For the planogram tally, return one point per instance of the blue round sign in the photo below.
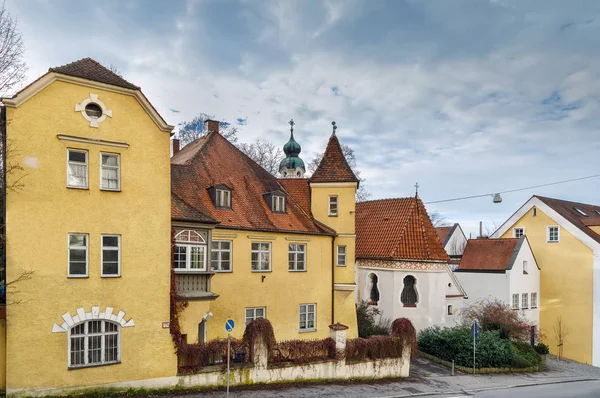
(229, 325)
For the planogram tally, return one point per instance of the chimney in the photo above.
(211, 125)
(481, 229)
(174, 146)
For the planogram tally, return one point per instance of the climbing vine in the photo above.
(256, 329)
(404, 329)
(177, 306)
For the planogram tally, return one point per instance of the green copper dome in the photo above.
(292, 149)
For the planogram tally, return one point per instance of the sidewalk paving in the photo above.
(427, 382)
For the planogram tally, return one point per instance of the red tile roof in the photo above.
(396, 229)
(489, 254)
(181, 211)
(333, 166)
(90, 69)
(299, 189)
(567, 210)
(442, 233)
(212, 160)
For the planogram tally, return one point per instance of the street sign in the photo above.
(475, 330)
(229, 325)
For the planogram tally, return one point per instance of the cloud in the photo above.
(463, 97)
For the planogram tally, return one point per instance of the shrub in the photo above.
(259, 327)
(456, 344)
(542, 349)
(370, 321)
(374, 347)
(193, 357)
(496, 315)
(303, 351)
(403, 328)
(527, 352)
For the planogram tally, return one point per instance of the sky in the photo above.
(463, 97)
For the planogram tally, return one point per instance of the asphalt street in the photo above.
(580, 389)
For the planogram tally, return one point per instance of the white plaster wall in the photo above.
(481, 285)
(385, 286)
(521, 283)
(456, 243)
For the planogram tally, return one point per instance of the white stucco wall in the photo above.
(525, 283)
(456, 242)
(432, 287)
(480, 285)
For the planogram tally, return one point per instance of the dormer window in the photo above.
(583, 213)
(278, 204)
(221, 196)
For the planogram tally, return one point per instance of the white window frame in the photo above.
(533, 300)
(117, 167)
(111, 248)
(515, 232)
(307, 311)
(333, 200)
(87, 254)
(278, 203)
(295, 253)
(260, 252)
(548, 228)
(87, 166)
(86, 336)
(515, 301)
(223, 198)
(189, 245)
(220, 250)
(344, 256)
(254, 316)
(525, 267)
(525, 301)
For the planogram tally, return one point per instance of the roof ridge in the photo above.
(420, 215)
(78, 69)
(382, 199)
(404, 227)
(564, 201)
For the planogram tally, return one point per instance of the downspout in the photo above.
(333, 280)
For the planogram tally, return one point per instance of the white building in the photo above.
(402, 268)
(503, 269)
(453, 239)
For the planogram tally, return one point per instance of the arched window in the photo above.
(373, 289)
(94, 342)
(190, 251)
(409, 295)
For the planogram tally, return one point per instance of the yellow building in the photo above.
(87, 233)
(565, 239)
(249, 245)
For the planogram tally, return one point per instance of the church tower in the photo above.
(292, 166)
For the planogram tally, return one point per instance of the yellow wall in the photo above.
(344, 225)
(595, 228)
(40, 216)
(2, 354)
(566, 289)
(281, 291)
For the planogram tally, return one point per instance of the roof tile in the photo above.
(567, 209)
(398, 229)
(485, 254)
(90, 69)
(333, 166)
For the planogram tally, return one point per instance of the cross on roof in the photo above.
(292, 124)
(416, 189)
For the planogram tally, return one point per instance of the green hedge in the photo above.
(492, 351)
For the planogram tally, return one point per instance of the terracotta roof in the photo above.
(181, 211)
(485, 254)
(396, 229)
(212, 160)
(299, 189)
(567, 210)
(90, 69)
(333, 166)
(442, 233)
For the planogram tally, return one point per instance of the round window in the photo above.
(93, 110)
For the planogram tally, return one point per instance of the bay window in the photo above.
(190, 251)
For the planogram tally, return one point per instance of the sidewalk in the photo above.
(438, 382)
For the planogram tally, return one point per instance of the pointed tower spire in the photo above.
(292, 166)
(333, 166)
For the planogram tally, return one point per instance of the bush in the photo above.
(456, 344)
(527, 352)
(496, 315)
(403, 328)
(542, 349)
(370, 321)
(375, 347)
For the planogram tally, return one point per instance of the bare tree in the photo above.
(560, 333)
(12, 67)
(362, 194)
(113, 68)
(194, 129)
(438, 219)
(266, 154)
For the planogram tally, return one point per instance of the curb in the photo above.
(467, 391)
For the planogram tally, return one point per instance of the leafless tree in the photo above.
(113, 68)
(489, 229)
(438, 219)
(362, 194)
(560, 333)
(266, 154)
(12, 66)
(194, 129)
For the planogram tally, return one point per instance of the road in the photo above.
(580, 389)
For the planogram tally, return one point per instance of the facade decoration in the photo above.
(93, 110)
(94, 314)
